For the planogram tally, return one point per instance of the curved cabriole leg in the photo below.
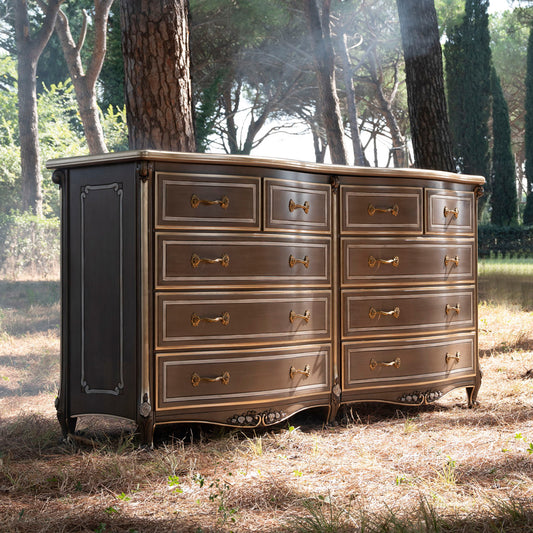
(67, 423)
(471, 394)
(146, 432)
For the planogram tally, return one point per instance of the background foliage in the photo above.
(253, 77)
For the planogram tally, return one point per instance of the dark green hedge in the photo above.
(508, 241)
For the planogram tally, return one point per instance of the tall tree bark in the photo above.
(399, 152)
(155, 44)
(425, 84)
(29, 49)
(322, 48)
(359, 156)
(85, 82)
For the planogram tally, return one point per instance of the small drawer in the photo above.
(296, 206)
(414, 261)
(207, 201)
(415, 361)
(386, 312)
(225, 260)
(236, 376)
(232, 318)
(375, 210)
(450, 212)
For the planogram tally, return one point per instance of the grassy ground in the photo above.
(440, 468)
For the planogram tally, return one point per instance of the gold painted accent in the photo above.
(306, 316)
(372, 313)
(293, 205)
(450, 308)
(196, 201)
(196, 319)
(306, 371)
(456, 357)
(374, 364)
(372, 261)
(454, 212)
(293, 261)
(454, 260)
(394, 210)
(196, 379)
(196, 260)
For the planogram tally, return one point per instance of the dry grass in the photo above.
(441, 468)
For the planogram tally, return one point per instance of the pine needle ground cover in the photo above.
(443, 468)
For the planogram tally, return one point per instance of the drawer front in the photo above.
(236, 376)
(187, 200)
(384, 312)
(450, 212)
(380, 364)
(387, 261)
(224, 318)
(375, 210)
(192, 260)
(295, 206)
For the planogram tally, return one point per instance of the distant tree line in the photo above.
(338, 69)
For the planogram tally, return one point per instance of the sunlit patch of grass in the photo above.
(505, 266)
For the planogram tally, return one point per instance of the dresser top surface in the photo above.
(263, 162)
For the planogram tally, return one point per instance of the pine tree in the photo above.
(468, 64)
(528, 212)
(503, 199)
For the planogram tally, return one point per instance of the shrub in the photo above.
(29, 245)
(510, 241)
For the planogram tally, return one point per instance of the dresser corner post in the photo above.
(62, 405)
(145, 410)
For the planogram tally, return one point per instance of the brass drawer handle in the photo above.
(293, 261)
(196, 319)
(450, 308)
(196, 260)
(293, 205)
(454, 260)
(196, 201)
(372, 261)
(305, 372)
(373, 313)
(454, 212)
(394, 210)
(196, 379)
(374, 364)
(306, 316)
(456, 357)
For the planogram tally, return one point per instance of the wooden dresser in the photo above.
(238, 291)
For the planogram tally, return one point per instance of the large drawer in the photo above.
(416, 260)
(225, 260)
(207, 201)
(241, 318)
(403, 312)
(450, 212)
(413, 361)
(375, 210)
(236, 376)
(297, 206)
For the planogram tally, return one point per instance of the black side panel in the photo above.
(103, 263)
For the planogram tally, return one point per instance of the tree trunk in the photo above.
(85, 82)
(385, 105)
(322, 48)
(29, 49)
(425, 85)
(155, 44)
(359, 156)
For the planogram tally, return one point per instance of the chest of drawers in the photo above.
(239, 291)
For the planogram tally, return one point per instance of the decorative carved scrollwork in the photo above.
(420, 398)
(255, 419)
